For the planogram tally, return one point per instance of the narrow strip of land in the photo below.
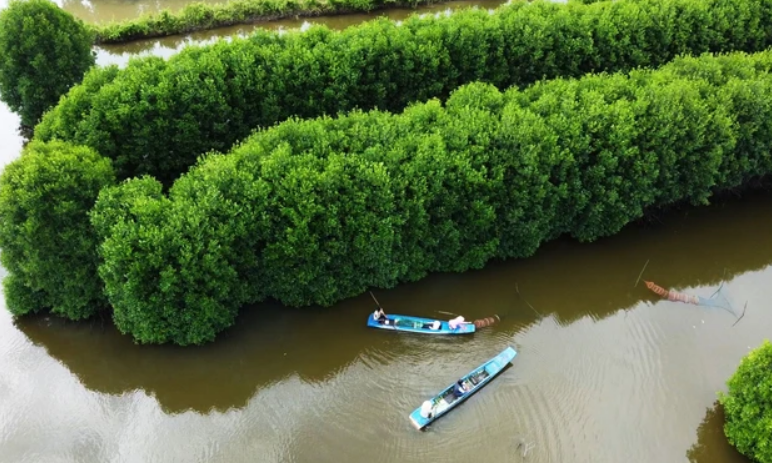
(201, 16)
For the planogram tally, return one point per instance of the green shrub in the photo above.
(156, 117)
(43, 52)
(48, 245)
(314, 211)
(748, 405)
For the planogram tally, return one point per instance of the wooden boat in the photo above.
(446, 400)
(419, 325)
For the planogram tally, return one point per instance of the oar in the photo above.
(448, 313)
(376, 300)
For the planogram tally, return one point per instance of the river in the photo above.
(606, 372)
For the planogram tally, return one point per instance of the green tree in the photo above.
(43, 52)
(188, 248)
(317, 210)
(48, 244)
(748, 405)
(158, 116)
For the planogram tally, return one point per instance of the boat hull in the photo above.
(410, 324)
(446, 400)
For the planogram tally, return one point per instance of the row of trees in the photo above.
(44, 50)
(200, 16)
(313, 211)
(156, 117)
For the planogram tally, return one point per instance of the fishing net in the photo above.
(716, 300)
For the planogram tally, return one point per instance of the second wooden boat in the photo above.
(450, 398)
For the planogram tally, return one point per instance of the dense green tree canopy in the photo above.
(313, 211)
(157, 117)
(748, 405)
(47, 242)
(43, 52)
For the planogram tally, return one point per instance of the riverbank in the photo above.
(201, 16)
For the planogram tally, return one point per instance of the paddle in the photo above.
(376, 300)
(448, 313)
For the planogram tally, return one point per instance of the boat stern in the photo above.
(415, 425)
(418, 421)
(467, 328)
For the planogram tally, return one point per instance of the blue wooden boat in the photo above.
(446, 400)
(418, 325)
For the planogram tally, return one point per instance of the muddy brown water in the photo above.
(605, 371)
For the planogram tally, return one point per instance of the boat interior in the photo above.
(413, 324)
(471, 381)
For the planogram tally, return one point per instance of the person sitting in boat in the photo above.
(380, 316)
(435, 325)
(459, 389)
(457, 322)
(427, 409)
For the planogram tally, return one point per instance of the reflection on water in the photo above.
(711, 445)
(607, 372)
(566, 282)
(267, 346)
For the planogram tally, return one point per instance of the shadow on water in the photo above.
(565, 280)
(689, 248)
(712, 445)
(269, 343)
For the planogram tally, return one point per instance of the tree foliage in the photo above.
(43, 52)
(312, 211)
(196, 16)
(48, 245)
(157, 117)
(748, 405)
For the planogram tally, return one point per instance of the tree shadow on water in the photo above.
(566, 280)
(691, 250)
(712, 445)
(268, 344)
